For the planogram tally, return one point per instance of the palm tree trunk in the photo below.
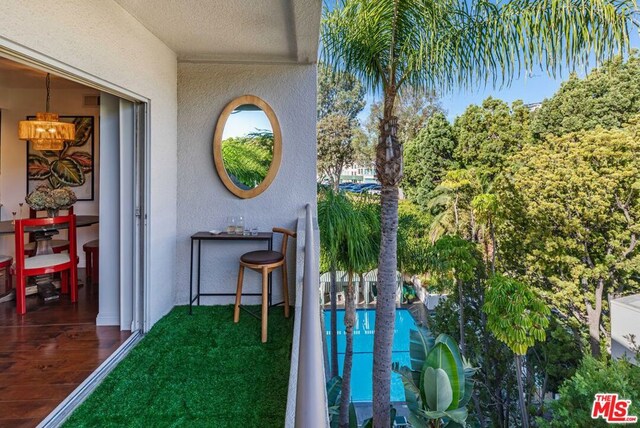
(389, 172)
(349, 320)
(334, 324)
(523, 405)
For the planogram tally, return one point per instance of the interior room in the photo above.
(53, 343)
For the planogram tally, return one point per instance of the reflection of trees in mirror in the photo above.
(247, 159)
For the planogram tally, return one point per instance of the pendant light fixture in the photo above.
(46, 132)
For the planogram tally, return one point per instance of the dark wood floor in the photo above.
(47, 353)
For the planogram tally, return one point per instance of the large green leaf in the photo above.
(457, 417)
(68, 172)
(446, 355)
(437, 387)
(334, 385)
(411, 390)
(420, 343)
(38, 167)
(353, 417)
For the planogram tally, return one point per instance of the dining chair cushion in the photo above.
(37, 262)
(5, 258)
(262, 257)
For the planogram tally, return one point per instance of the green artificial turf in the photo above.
(199, 370)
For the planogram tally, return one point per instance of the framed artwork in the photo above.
(72, 166)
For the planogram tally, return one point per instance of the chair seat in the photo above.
(91, 244)
(5, 258)
(54, 243)
(37, 262)
(262, 257)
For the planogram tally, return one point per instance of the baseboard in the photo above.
(107, 320)
(57, 417)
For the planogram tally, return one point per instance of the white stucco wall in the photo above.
(204, 202)
(98, 40)
(16, 104)
(625, 322)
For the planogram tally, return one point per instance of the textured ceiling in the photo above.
(254, 31)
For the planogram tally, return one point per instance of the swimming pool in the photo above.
(361, 375)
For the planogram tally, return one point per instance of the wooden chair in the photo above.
(265, 261)
(57, 245)
(65, 263)
(92, 258)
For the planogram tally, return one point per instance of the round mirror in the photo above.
(247, 146)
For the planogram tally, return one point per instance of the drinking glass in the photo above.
(21, 204)
(240, 225)
(254, 231)
(231, 225)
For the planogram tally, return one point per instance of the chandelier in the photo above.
(46, 132)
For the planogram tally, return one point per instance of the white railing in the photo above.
(307, 398)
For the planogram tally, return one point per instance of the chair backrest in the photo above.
(34, 214)
(286, 233)
(43, 222)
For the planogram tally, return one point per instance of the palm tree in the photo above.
(333, 217)
(409, 46)
(358, 255)
(348, 236)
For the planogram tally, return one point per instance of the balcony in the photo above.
(199, 369)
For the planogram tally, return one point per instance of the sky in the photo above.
(530, 89)
(242, 123)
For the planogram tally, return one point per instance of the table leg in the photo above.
(199, 251)
(191, 281)
(270, 277)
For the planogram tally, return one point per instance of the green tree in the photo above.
(456, 261)
(340, 99)
(608, 97)
(581, 191)
(451, 200)
(573, 408)
(396, 46)
(248, 159)
(427, 158)
(335, 148)
(489, 133)
(413, 244)
(339, 93)
(518, 318)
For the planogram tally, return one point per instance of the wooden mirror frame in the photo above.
(277, 147)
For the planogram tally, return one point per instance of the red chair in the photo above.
(92, 257)
(5, 264)
(47, 263)
(57, 245)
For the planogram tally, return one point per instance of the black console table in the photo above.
(207, 236)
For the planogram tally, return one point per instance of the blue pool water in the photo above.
(361, 381)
